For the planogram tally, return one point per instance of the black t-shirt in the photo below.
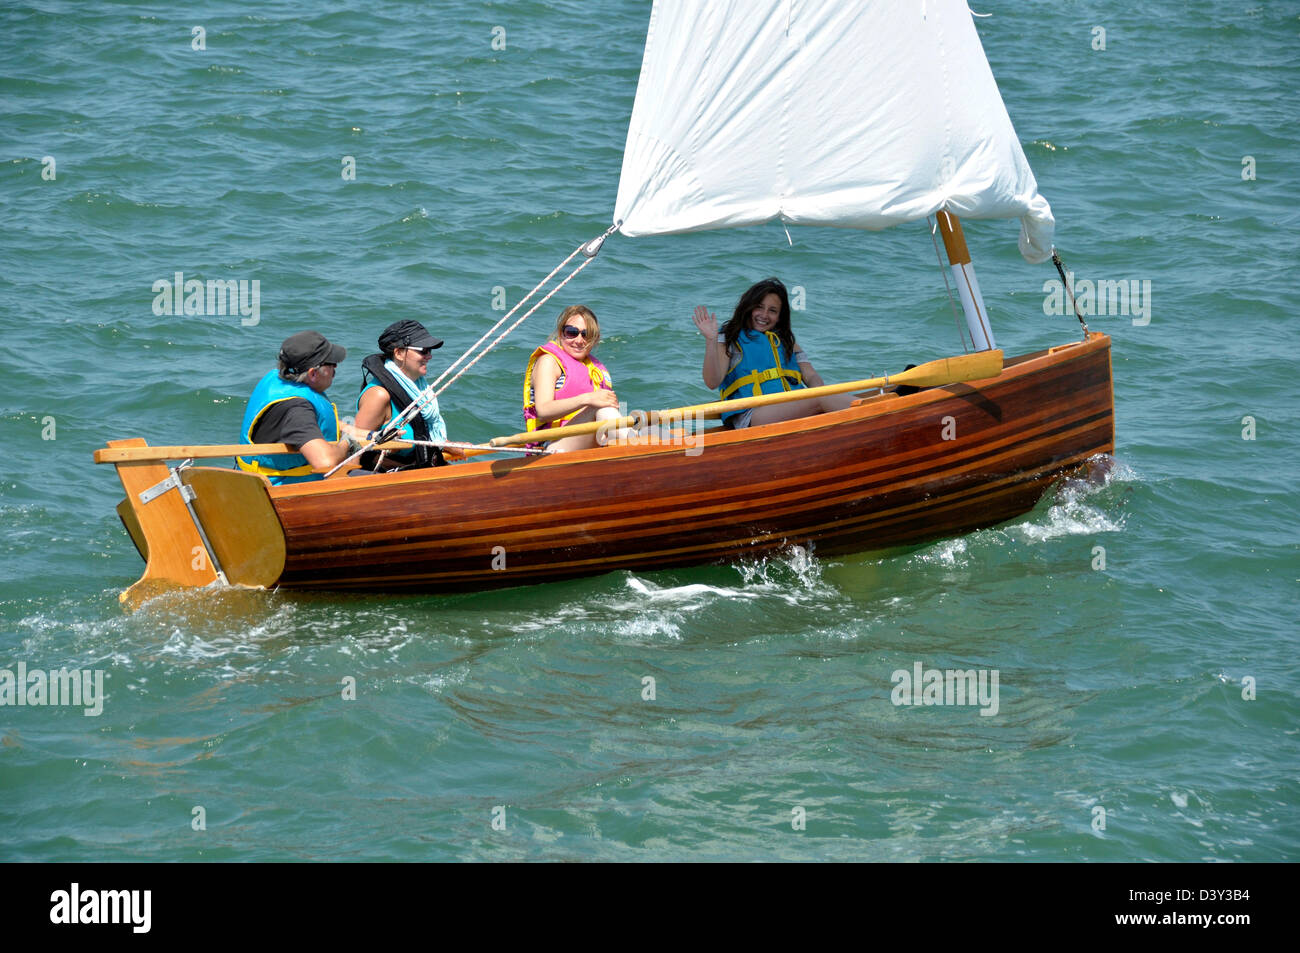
(291, 421)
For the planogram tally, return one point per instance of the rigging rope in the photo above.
(1060, 269)
(457, 445)
(573, 274)
(505, 317)
(589, 248)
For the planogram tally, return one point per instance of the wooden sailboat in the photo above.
(976, 446)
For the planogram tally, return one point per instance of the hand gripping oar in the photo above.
(947, 370)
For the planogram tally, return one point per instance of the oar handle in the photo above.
(205, 452)
(945, 370)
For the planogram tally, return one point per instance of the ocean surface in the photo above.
(1147, 710)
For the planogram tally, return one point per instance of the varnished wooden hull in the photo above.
(889, 472)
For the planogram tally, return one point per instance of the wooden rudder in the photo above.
(175, 554)
(233, 508)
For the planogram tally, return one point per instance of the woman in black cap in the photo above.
(390, 382)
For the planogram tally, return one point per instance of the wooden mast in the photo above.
(972, 302)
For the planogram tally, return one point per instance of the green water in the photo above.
(1160, 689)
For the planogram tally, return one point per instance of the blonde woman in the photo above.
(564, 384)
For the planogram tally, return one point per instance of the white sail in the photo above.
(852, 114)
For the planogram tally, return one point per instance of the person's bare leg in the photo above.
(836, 402)
(610, 434)
(775, 413)
(580, 442)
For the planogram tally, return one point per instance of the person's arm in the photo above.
(545, 372)
(809, 373)
(810, 377)
(373, 410)
(298, 428)
(716, 362)
(323, 455)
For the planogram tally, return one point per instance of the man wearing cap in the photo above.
(289, 406)
(390, 382)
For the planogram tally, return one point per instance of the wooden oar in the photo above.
(191, 451)
(946, 370)
(206, 452)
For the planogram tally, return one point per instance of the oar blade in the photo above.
(948, 370)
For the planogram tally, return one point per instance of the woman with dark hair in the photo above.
(755, 353)
(390, 381)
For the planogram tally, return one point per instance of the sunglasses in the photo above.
(422, 351)
(571, 332)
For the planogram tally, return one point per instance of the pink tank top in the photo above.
(576, 377)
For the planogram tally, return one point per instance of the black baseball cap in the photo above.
(308, 349)
(406, 333)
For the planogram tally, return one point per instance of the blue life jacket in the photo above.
(281, 468)
(760, 370)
